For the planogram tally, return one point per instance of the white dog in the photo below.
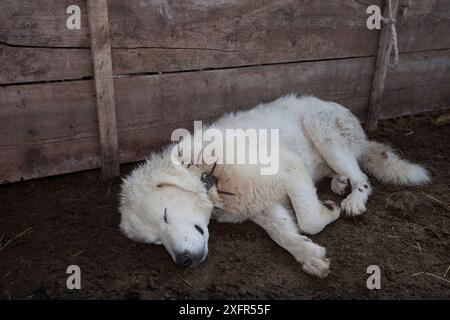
(170, 204)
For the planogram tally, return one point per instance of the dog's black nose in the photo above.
(187, 259)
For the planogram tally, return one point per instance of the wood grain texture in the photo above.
(166, 36)
(420, 83)
(199, 34)
(47, 129)
(213, 25)
(104, 87)
(21, 65)
(423, 25)
(381, 68)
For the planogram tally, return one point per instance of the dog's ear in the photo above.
(179, 177)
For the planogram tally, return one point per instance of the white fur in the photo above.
(317, 139)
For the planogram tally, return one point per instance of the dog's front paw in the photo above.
(354, 204)
(339, 184)
(332, 209)
(315, 261)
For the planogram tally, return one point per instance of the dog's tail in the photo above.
(383, 163)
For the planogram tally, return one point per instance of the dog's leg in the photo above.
(282, 228)
(344, 163)
(312, 214)
(338, 137)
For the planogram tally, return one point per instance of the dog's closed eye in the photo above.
(199, 229)
(165, 215)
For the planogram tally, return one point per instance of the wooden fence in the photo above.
(65, 107)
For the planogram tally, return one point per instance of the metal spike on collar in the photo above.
(208, 178)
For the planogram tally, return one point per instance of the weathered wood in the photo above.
(227, 25)
(420, 83)
(423, 25)
(202, 35)
(161, 36)
(192, 23)
(19, 65)
(51, 128)
(104, 87)
(47, 129)
(381, 68)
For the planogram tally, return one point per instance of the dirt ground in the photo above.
(48, 224)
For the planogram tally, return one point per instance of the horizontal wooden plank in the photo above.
(165, 36)
(202, 34)
(421, 82)
(424, 25)
(227, 25)
(21, 65)
(47, 129)
(42, 23)
(52, 128)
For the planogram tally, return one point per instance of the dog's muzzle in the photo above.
(189, 259)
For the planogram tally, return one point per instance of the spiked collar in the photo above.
(209, 180)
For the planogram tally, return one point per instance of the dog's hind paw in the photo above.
(315, 262)
(340, 185)
(354, 204)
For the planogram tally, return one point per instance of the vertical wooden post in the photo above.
(101, 56)
(381, 68)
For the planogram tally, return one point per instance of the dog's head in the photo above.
(166, 203)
